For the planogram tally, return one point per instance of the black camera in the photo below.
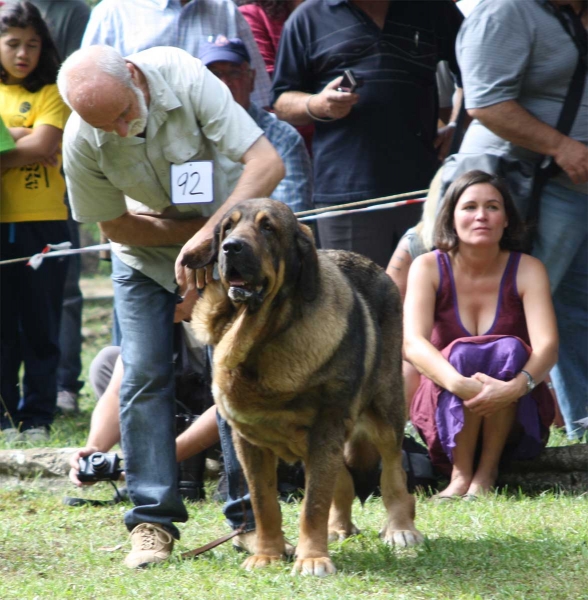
(100, 466)
(191, 470)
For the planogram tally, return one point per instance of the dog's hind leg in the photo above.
(399, 529)
(260, 465)
(340, 524)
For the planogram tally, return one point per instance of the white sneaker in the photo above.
(67, 402)
(35, 436)
(11, 435)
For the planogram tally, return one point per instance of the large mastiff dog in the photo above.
(307, 366)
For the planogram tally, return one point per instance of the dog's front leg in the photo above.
(322, 468)
(259, 465)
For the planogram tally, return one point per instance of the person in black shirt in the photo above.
(382, 139)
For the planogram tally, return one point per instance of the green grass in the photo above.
(506, 546)
(501, 547)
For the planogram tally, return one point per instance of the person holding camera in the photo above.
(378, 138)
(196, 426)
(142, 127)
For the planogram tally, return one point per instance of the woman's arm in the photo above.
(399, 265)
(533, 287)
(40, 146)
(419, 311)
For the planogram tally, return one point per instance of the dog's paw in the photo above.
(258, 561)
(247, 542)
(340, 534)
(319, 567)
(402, 538)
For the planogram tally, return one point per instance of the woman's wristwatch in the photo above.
(530, 381)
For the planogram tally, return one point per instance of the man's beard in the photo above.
(137, 126)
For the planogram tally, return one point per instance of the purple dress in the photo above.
(500, 353)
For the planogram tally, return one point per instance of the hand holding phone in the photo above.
(349, 83)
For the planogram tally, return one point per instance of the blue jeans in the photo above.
(237, 508)
(145, 313)
(562, 245)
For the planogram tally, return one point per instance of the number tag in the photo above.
(192, 182)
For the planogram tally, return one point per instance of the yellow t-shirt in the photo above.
(32, 192)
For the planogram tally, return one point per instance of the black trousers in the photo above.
(374, 234)
(30, 313)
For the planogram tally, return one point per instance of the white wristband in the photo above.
(311, 115)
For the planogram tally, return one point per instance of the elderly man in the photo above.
(229, 60)
(152, 127)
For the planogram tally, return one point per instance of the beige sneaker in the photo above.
(67, 402)
(151, 543)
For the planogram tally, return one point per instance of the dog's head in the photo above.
(262, 250)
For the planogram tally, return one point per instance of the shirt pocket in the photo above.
(132, 174)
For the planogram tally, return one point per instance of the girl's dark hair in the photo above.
(445, 236)
(274, 9)
(23, 15)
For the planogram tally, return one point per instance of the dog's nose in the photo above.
(232, 246)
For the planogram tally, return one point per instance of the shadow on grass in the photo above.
(512, 558)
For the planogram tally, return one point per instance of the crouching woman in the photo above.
(481, 330)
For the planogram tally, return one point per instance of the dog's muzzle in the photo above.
(241, 271)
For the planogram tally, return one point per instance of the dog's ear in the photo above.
(309, 275)
(205, 254)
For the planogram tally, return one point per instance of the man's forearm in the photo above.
(512, 122)
(146, 230)
(291, 107)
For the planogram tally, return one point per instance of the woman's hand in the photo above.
(465, 388)
(494, 395)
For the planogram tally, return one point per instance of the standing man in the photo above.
(517, 61)
(130, 27)
(142, 127)
(230, 62)
(381, 139)
(67, 22)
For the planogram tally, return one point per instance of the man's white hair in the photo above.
(106, 60)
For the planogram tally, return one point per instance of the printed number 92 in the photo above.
(186, 180)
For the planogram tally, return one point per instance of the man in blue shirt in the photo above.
(380, 140)
(229, 60)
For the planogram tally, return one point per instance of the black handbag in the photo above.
(525, 178)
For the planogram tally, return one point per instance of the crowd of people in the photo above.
(161, 90)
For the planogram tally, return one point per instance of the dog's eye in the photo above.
(267, 226)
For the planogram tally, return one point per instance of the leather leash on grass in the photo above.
(221, 540)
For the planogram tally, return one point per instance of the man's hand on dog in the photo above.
(190, 279)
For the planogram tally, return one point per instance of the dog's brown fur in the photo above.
(307, 366)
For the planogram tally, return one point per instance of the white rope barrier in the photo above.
(64, 249)
(52, 251)
(337, 213)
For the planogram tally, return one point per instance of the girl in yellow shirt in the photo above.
(32, 214)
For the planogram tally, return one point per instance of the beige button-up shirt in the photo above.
(192, 116)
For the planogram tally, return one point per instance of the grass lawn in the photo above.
(506, 546)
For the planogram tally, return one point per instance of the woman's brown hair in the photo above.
(445, 235)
